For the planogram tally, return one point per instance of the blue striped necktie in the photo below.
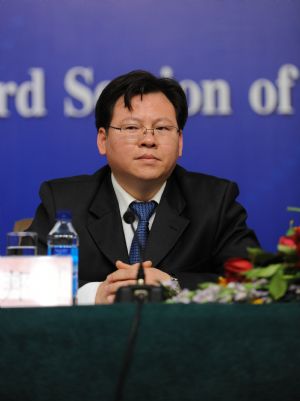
(143, 210)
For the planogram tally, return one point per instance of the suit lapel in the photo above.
(168, 224)
(105, 225)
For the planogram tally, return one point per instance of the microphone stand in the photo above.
(138, 293)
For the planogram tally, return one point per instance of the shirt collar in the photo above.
(124, 198)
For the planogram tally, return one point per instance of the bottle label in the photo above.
(64, 250)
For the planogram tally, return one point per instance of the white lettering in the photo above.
(263, 96)
(208, 97)
(216, 95)
(79, 92)
(166, 72)
(287, 74)
(98, 90)
(6, 89)
(30, 97)
(193, 94)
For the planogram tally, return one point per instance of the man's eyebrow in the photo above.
(162, 119)
(157, 120)
(131, 118)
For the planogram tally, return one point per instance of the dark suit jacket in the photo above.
(197, 227)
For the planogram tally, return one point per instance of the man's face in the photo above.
(149, 158)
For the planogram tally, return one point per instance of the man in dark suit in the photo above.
(195, 222)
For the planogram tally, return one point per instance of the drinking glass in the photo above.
(21, 243)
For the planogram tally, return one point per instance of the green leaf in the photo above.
(290, 231)
(263, 272)
(293, 209)
(253, 273)
(287, 249)
(205, 285)
(259, 257)
(251, 286)
(278, 285)
(255, 251)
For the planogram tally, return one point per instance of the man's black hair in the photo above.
(139, 83)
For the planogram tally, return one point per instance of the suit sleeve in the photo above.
(233, 236)
(231, 239)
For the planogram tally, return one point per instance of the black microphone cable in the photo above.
(129, 218)
(129, 350)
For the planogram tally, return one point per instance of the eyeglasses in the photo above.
(135, 131)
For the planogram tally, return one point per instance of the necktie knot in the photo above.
(143, 210)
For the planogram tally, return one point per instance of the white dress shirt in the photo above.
(87, 293)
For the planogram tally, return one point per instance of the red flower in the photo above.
(288, 241)
(235, 267)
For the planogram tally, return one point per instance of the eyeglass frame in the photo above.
(154, 130)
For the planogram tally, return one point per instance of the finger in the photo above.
(122, 265)
(147, 264)
(113, 288)
(106, 292)
(102, 295)
(121, 275)
(150, 280)
(155, 276)
(110, 299)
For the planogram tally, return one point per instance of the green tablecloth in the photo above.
(183, 352)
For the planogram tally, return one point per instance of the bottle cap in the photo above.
(64, 215)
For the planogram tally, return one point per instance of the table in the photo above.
(183, 352)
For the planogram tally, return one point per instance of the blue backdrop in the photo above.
(238, 61)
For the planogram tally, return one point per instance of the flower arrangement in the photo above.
(262, 278)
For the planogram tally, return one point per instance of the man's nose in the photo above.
(148, 138)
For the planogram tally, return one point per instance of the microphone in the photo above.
(140, 292)
(129, 218)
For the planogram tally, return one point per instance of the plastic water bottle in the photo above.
(63, 240)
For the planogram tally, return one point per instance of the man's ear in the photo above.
(101, 141)
(180, 146)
